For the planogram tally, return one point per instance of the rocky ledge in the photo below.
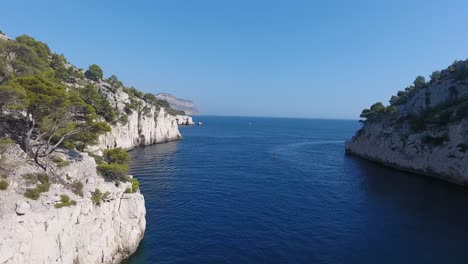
(57, 209)
(424, 130)
(91, 228)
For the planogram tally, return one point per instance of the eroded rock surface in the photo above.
(427, 134)
(34, 231)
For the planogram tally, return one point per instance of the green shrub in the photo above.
(64, 198)
(91, 96)
(133, 92)
(376, 111)
(43, 177)
(126, 178)
(77, 188)
(43, 186)
(114, 81)
(94, 72)
(174, 112)
(32, 194)
(113, 171)
(69, 145)
(116, 167)
(135, 185)
(96, 197)
(30, 178)
(61, 162)
(420, 82)
(105, 196)
(97, 158)
(123, 119)
(64, 201)
(116, 155)
(6, 141)
(128, 190)
(435, 76)
(3, 185)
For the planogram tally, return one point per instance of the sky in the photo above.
(312, 59)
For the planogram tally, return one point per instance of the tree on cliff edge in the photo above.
(94, 72)
(39, 113)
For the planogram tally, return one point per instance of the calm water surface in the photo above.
(263, 190)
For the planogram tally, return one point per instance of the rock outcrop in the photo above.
(69, 213)
(426, 133)
(149, 124)
(35, 231)
(183, 120)
(144, 126)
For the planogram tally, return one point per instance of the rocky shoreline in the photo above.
(426, 133)
(37, 231)
(63, 210)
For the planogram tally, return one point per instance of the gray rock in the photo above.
(151, 127)
(183, 120)
(33, 231)
(22, 207)
(391, 141)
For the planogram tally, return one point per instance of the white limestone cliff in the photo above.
(439, 148)
(147, 125)
(395, 148)
(34, 231)
(183, 120)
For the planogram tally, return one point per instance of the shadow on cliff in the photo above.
(419, 198)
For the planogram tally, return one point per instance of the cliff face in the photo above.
(34, 231)
(142, 127)
(183, 120)
(146, 125)
(427, 133)
(103, 221)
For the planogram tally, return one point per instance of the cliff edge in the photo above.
(100, 223)
(65, 192)
(424, 129)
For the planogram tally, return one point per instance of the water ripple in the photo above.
(282, 191)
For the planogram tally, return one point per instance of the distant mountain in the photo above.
(179, 104)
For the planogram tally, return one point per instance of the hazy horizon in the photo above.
(302, 59)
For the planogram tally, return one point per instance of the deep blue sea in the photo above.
(271, 190)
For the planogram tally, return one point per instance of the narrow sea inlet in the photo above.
(272, 190)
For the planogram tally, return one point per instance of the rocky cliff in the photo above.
(55, 208)
(424, 130)
(183, 120)
(40, 231)
(144, 126)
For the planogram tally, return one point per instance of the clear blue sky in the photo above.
(325, 59)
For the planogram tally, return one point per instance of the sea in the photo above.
(282, 190)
